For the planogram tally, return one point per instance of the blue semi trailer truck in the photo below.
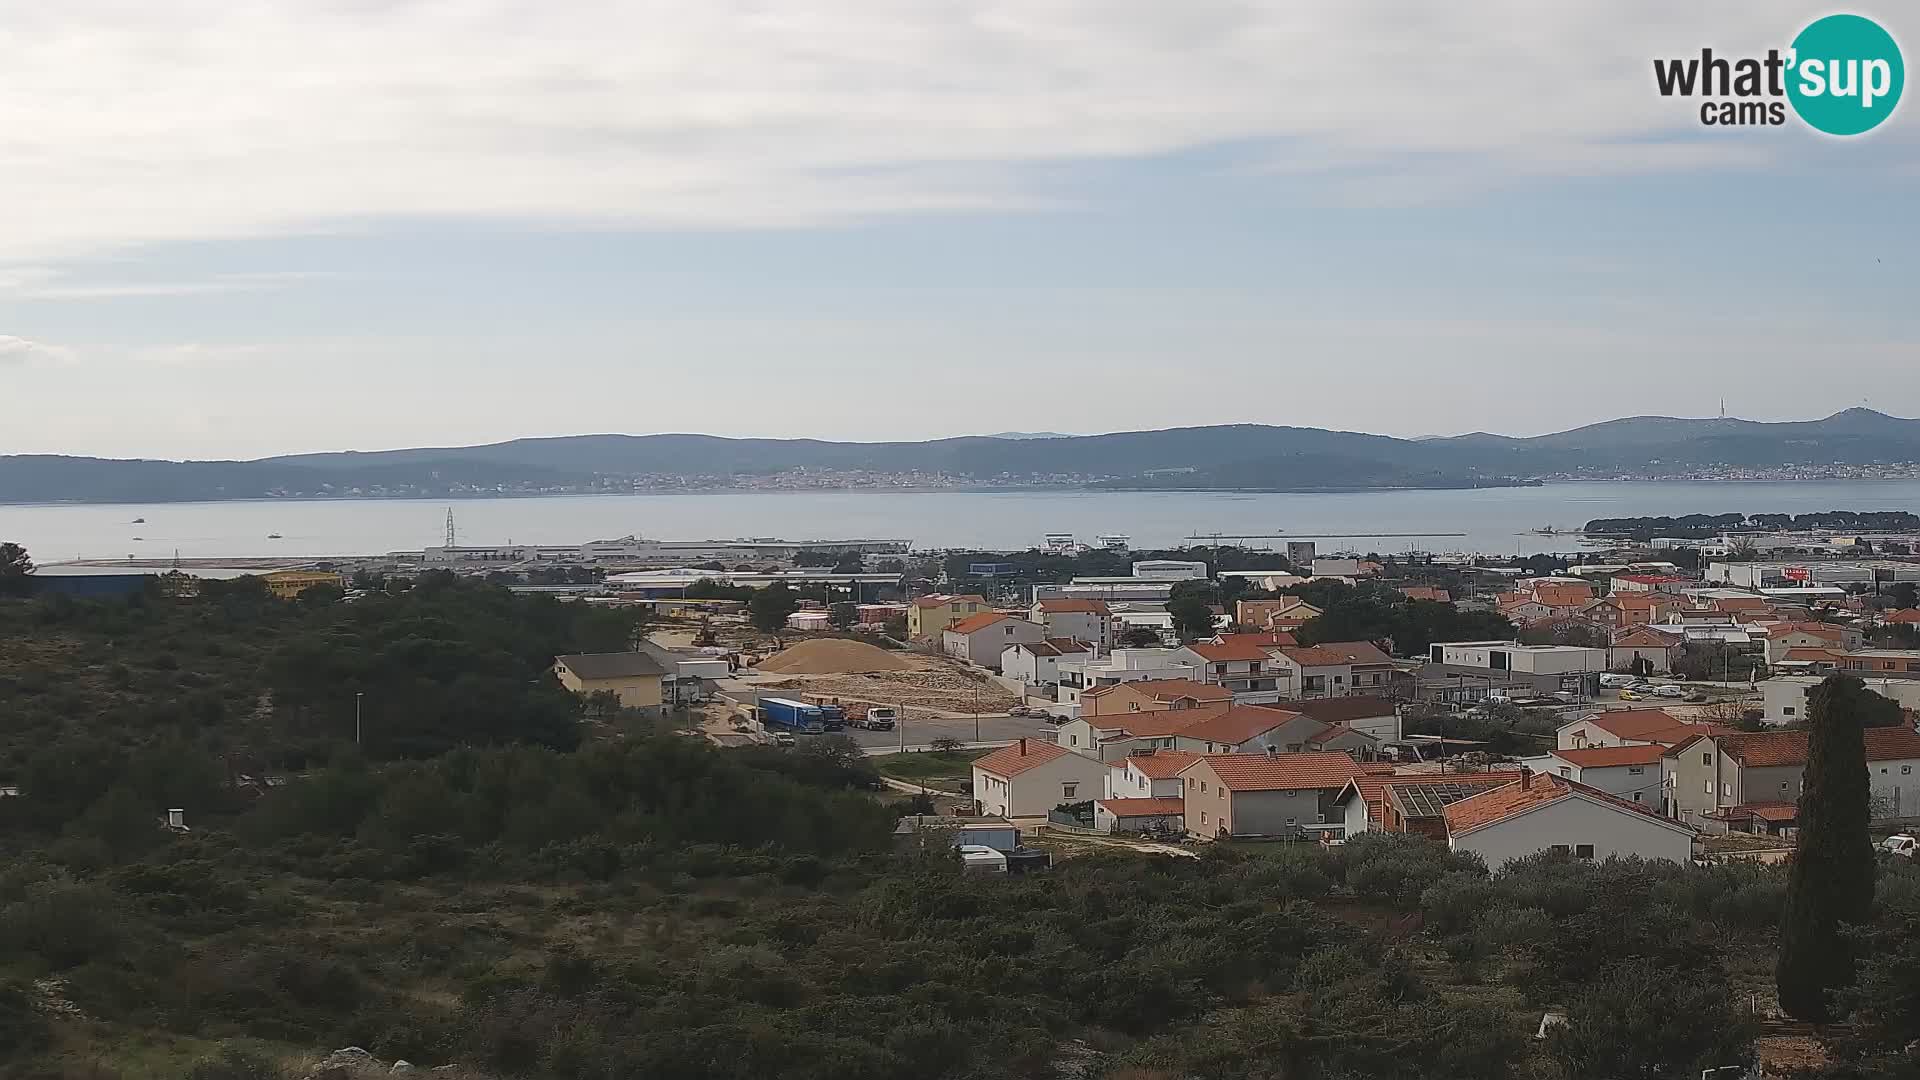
(785, 714)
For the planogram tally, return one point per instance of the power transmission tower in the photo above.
(450, 535)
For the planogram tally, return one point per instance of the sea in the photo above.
(1490, 521)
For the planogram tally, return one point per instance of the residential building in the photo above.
(289, 584)
(1604, 612)
(1112, 738)
(1285, 611)
(1667, 583)
(1079, 678)
(1148, 774)
(1038, 663)
(1646, 650)
(1336, 668)
(1265, 794)
(1031, 777)
(981, 640)
(1414, 803)
(634, 677)
(1627, 727)
(1710, 776)
(927, 616)
(1784, 697)
(1868, 663)
(1153, 816)
(1336, 567)
(1785, 636)
(1239, 664)
(1256, 729)
(1551, 813)
(1426, 592)
(1374, 716)
(1090, 621)
(1633, 772)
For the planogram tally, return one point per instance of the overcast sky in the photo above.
(231, 230)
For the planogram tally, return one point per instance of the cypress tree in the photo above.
(1831, 882)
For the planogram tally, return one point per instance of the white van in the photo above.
(1616, 682)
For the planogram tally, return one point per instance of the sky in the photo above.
(231, 231)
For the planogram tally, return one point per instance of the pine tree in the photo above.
(1831, 883)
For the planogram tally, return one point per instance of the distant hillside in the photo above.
(1235, 456)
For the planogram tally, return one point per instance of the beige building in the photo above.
(633, 676)
(1031, 777)
(927, 616)
(289, 584)
(1712, 777)
(1265, 794)
(982, 640)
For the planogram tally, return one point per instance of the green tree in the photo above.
(1192, 618)
(1640, 1019)
(769, 608)
(1905, 593)
(15, 568)
(1139, 637)
(1830, 885)
(842, 615)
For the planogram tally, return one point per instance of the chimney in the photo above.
(1023, 746)
(1526, 778)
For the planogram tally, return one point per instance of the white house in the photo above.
(982, 639)
(1631, 772)
(1090, 621)
(1254, 729)
(1038, 663)
(1148, 774)
(1626, 727)
(1334, 669)
(1549, 813)
(1239, 664)
(1031, 777)
(1513, 656)
(1122, 666)
(1784, 697)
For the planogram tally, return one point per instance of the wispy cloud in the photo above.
(67, 289)
(123, 124)
(19, 351)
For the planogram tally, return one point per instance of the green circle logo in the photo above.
(1846, 75)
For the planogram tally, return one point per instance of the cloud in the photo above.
(223, 283)
(122, 124)
(18, 351)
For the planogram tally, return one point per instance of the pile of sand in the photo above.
(831, 656)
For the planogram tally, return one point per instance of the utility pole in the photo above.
(357, 695)
(976, 712)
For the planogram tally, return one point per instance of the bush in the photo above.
(233, 1063)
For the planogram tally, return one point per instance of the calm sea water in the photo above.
(1495, 520)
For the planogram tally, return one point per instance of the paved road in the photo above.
(993, 729)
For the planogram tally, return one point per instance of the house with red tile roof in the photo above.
(1785, 636)
(1410, 803)
(1090, 621)
(1259, 729)
(1627, 727)
(1112, 736)
(1709, 776)
(1646, 649)
(927, 616)
(1291, 611)
(1426, 592)
(1633, 772)
(1031, 777)
(1164, 816)
(1150, 695)
(1148, 774)
(981, 640)
(1038, 663)
(1335, 669)
(1552, 813)
(1668, 583)
(1265, 794)
(1900, 617)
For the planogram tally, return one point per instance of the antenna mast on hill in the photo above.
(450, 536)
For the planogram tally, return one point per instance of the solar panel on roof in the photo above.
(1430, 800)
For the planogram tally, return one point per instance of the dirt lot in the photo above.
(935, 684)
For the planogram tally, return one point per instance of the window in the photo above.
(1559, 849)
(1709, 786)
(1289, 823)
(1203, 817)
(1222, 794)
(1636, 770)
(1072, 740)
(1726, 790)
(1783, 785)
(1067, 790)
(1636, 796)
(1565, 771)
(1583, 851)
(1706, 759)
(1906, 770)
(1786, 710)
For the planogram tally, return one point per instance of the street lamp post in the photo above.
(357, 695)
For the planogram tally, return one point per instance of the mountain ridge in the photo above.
(1214, 457)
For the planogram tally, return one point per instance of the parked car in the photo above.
(1901, 844)
(784, 738)
(1565, 697)
(1056, 718)
(1668, 692)
(1019, 710)
(1630, 695)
